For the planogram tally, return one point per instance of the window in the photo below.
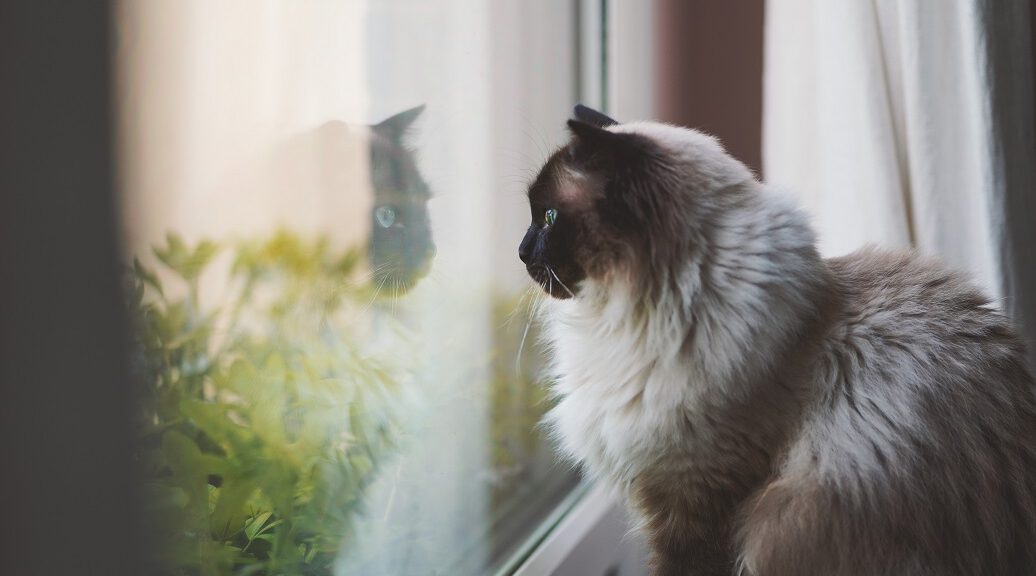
(322, 202)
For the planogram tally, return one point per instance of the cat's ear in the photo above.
(591, 116)
(396, 126)
(591, 133)
(593, 138)
(589, 125)
(604, 148)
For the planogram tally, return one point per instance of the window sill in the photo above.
(590, 536)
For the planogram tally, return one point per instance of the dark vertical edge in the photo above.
(1009, 52)
(68, 491)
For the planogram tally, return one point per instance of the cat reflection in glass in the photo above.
(763, 410)
(400, 247)
(346, 162)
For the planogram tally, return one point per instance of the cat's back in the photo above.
(906, 318)
(916, 455)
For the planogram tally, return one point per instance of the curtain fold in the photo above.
(910, 124)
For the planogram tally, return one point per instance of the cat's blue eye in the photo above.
(550, 216)
(385, 216)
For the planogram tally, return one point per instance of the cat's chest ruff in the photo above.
(623, 401)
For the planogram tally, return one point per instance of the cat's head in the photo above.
(623, 203)
(401, 247)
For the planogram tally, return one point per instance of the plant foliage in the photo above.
(261, 418)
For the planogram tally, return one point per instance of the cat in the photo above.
(765, 411)
(399, 242)
(400, 247)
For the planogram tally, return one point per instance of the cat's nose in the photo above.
(528, 245)
(525, 250)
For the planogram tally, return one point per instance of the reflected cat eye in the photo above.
(550, 216)
(385, 216)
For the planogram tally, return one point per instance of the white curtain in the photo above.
(910, 123)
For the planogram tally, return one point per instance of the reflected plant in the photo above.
(518, 398)
(528, 481)
(261, 420)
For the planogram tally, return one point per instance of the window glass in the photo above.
(322, 203)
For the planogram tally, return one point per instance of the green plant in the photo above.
(261, 419)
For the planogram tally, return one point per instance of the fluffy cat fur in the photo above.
(765, 411)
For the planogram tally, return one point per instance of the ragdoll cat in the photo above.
(765, 411)
(400, 246)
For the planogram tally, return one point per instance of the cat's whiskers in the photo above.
(540, 140)
(555, 275)
(395, 295)
(373, 272)
(520, 305)
(525, 305)
(377, 291)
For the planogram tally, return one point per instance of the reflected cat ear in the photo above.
(591, 116)
(395, 127)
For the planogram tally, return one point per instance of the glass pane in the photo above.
(322, 203)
